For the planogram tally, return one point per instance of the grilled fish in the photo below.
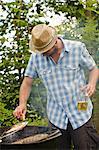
(17, 127)
(31, 139)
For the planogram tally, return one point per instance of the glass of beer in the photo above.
(82, 101)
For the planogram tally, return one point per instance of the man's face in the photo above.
(51, 51)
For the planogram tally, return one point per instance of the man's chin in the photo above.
(53, 52)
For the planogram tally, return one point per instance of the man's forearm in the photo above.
(93, 76)
(25, 90)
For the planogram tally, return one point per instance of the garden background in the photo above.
(73, 19)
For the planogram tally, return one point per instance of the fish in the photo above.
(32, 139)
(17, 127)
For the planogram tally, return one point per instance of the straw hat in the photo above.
(43, 38)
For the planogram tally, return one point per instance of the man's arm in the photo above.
(88, 62)
(93, 78)
(25, 90)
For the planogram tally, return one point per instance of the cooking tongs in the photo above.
(14, 128)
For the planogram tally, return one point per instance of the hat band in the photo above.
(36, 47)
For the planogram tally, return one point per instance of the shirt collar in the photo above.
(66, 48)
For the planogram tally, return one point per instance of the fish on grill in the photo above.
(17, 127)
(13, 130)
(32, 139)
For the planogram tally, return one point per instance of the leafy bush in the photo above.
(6, 116)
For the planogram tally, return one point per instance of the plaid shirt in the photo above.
(63, 81)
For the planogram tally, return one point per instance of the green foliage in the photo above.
(40, 122)
(71, 8)
(14, 50)
(15, 29)
(6, 117)
(34, 117)
(14, 57)
(90, 35)
(74, 8)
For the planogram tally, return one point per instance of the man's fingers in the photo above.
(18, 112)
(88, 89)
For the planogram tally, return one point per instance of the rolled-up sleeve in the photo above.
(31, 69)
(86, 59)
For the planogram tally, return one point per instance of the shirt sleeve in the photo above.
(31, 69)
(86, 60)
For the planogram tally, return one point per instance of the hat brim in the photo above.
(33, 49)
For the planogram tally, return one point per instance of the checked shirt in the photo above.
(63, 81)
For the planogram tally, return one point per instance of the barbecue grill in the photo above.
(48, 142)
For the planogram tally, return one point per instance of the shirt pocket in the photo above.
(70, 67)
(70, 72)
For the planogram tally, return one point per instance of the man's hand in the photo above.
(93, 77)
(20, 112)
(89, 89)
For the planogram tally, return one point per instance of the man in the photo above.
(59, 63)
